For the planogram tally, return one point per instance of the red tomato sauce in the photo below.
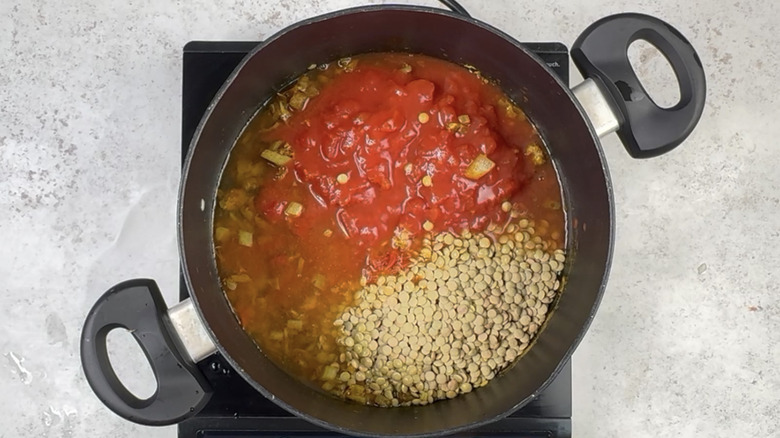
(366, 125)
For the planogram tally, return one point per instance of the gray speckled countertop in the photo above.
(686, 342)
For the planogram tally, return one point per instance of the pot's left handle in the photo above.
(138, 306)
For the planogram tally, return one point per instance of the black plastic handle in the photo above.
(138, 306)
(646, 129)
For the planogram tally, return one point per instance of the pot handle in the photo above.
(601, 53)
(138, 306)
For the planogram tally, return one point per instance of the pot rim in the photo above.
(185, 177)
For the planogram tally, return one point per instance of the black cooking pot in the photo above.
(571, 122)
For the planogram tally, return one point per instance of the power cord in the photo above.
(456, 7)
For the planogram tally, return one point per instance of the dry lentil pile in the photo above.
(464, 310)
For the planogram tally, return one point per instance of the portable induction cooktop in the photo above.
(236, 409)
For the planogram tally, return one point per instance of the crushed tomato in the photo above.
(362, 149)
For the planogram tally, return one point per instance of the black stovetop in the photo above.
(236, 409)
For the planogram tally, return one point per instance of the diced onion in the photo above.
(275, 157)
(293, 209)
(245, 238)
(479, 167)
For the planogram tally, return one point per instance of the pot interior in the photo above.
(548, 103)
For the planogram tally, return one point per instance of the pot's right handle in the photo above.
(601, 53)
(138, 306)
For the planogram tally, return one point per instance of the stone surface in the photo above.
(685, 342)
